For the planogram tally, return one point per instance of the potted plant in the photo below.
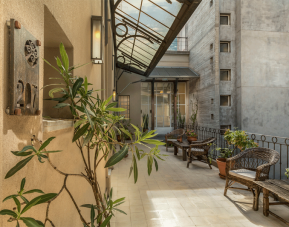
(191, 136)
(221, 161)
(145, 119)
(236, 140)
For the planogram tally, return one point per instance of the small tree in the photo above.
(95, 136)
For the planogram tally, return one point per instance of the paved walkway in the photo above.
(179, 197)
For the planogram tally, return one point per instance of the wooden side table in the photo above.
(280, 188)
(185, 145)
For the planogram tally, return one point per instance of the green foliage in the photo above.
(181, 119)
(191, 133)
(225, 152)
(96, 123)
(145, 121)
(194, 113)
(287, 173)
(17, 214)
(239, 139)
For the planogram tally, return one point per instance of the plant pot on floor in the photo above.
(190, 139)
(180, 140)
(222, 167)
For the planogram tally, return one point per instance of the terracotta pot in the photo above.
(180, 140)
(222, 167)
(190, 138)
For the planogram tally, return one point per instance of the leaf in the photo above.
(9, 197)
(27, 148)
(22, 184)
(116, 109)
(45, 144)
(54, 90)
(32, 203)
(106, 221)
(130, 171)
(121, 211)
(155, 142)
(17, 204)
(64, 56)
(111, 105)
(34, 190)
(92, 215)
(119, 200)
(40, 223)
(80, 122)
(88, 138)
(40, 159)
(88, 117)
(17, 225)
(17, 153)
(126, 132)
(77, 84)
(8, 212)
(18, 166)
(85, 85)
(117, 156)
(135, 170)
(149, 165)
(80, 132)
(137, 152)
(24, 199)
(156, 164)
(61, 105)
(50, 65)
(89, 206)
(45, 198)
(30, 222)
(46, 152)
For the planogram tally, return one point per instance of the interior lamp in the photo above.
(96, 39)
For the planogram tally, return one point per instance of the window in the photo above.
(212, 101)
(225, 75)
(123, 102)
(211, 3)
(212, 116)
(211, 46)
(224, 128)
(225, 19)
(211, 60)
(225, 100)
(225, 46)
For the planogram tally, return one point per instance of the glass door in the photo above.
(163, 107)
(146, 101)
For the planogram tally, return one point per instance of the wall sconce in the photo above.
(114, 95)
(96, 39)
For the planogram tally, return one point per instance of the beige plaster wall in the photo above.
(74, 18)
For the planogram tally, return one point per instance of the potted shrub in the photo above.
(221, 161)
(145, 119)
(236, 140)
(191, 136)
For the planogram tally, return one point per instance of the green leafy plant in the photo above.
(95, 128)
(191, 133)
(225, 152)
(145, 121)
(239, 139)
(194, 113)
(287, 173)
(17, 213)
(181, 120)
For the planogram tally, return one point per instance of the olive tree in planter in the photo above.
(95, 136)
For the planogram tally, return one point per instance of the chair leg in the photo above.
(208, 161)
(256, 199)
(189, 160)
(226, 187)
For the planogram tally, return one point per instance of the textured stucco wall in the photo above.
(264, 55)
(74, 18)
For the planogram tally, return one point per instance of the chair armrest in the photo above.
(262, 172)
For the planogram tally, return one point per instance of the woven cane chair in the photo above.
(173, 136)
(200, 151)
(250, 165)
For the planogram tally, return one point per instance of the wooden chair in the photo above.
(173, 136)
(200, 150)
(250, 165)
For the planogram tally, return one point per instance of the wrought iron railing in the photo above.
(280, 144)
(179, 44)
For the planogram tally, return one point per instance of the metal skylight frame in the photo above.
(138, 45)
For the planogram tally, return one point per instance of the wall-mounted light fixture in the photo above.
(114, 95)
(96, 39)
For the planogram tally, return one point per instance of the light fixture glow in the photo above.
(96, 39)
(114, 95)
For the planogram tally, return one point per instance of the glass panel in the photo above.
(182, 99)
(160, 121)
(224, 20)
(182, 110)
(224, 75)
(224, 47)
(225, 100)
(181, 87)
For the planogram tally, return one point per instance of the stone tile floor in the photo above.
(176, 196)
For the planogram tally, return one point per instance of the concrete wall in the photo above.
(17, 130)
(174, 59)
(264, 67)
(202, 32)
